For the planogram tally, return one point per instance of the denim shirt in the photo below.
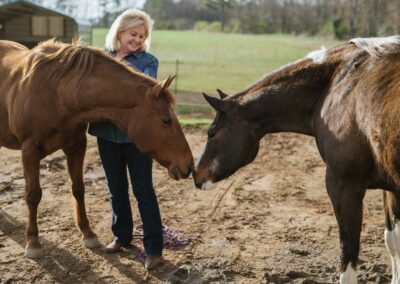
(143, 62)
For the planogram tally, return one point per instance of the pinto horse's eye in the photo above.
(211, 132)
(166, 121)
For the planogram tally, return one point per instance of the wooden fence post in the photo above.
(176, 78)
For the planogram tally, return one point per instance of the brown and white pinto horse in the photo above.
(49, 94)
(348, 98)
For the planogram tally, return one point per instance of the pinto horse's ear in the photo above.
(216, 103)
(161, 86)
(222, 95)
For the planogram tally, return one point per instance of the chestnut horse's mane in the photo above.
(75, 62)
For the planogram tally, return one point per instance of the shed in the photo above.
(29, 23)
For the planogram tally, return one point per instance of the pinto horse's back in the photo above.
(384, 135)
(379, 113)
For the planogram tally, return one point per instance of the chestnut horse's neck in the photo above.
(89, 84)
(112, 84)
(110, 92)
(286, 100)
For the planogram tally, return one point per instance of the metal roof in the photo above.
(18, 8)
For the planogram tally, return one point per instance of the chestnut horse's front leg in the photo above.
(31, 157)
(75, 158)
(347, 199)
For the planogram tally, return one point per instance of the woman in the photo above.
(128, 39)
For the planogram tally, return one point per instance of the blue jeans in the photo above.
(116, 157)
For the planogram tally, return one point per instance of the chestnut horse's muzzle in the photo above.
(176, 173)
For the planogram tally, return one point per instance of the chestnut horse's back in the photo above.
(11, 45)
(8, 51)
(10, 74)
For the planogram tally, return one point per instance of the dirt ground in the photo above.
(271, 222)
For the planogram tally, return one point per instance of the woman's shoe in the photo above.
(113, 247)
(152, 261)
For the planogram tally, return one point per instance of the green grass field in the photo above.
(229, 62)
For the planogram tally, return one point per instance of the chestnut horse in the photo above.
(49, 94)
(348, 98)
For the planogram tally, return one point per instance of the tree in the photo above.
(221, 7)
(353, 16)
(158, 10)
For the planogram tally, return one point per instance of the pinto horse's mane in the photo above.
(375, 47)
(378, 46)
(75, 62)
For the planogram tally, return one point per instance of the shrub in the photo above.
(214, 26)
(234, 26)
(201, 26)
(341, 29)
(327, 30)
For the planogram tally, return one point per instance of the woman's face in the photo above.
(132, 39)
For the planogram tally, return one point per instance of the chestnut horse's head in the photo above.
(159, 134)
(139, 105)
(232, 143)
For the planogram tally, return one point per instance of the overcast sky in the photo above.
(89, 9)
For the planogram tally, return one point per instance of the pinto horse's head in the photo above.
(159, 134)
(232, 143)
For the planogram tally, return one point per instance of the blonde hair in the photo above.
(129, 19)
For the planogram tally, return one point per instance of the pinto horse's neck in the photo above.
(285, 100)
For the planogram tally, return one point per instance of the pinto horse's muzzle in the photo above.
(200, 181)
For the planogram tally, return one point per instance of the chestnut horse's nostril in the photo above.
(176, 172)
(190, 169)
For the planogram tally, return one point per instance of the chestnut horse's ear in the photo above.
(216, 103)
(222, 95)
(168, 81)
(161, 86)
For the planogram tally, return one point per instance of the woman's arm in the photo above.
(151, 69)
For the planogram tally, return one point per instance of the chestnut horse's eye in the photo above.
(166, 121)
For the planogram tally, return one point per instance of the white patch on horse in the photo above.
(318, 56)
(376, 46)
(208, 185)
(392, 241)
(349, 276)
(196, 166)
(213, 167)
